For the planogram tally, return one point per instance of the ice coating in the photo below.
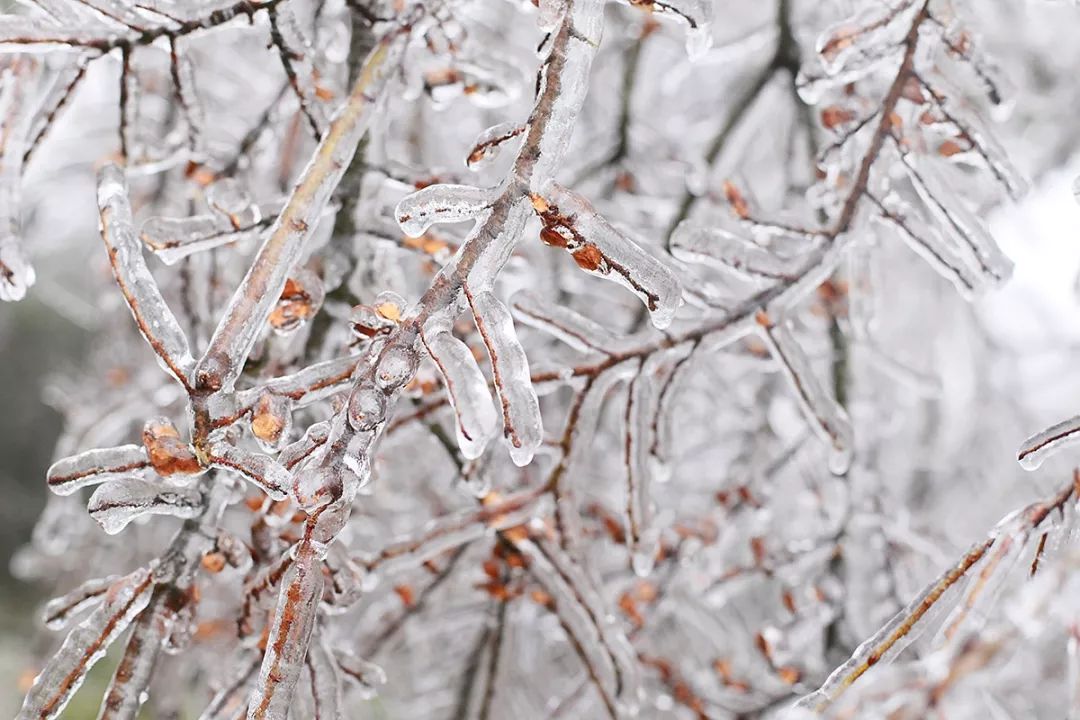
(117, 503)
(440, 204)
(466, 386)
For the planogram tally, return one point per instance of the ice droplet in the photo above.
(367, 408)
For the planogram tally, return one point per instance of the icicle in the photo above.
(722, 249)
(365, 676)
(490, 143)
(262, 471)
(155, 320)
(570, 222)
(290, 634)
(522, 424)
(466, 387)
(117, 503)
(827, 418)
(642, 540)
(559, 321)
(173, 239)
(58, 612)
(441, 204)
(697, 14)
(85, 645)
(95, 466)
(1034, 451)
(325, 682)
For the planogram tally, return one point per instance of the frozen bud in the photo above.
(395, 367)
(271, 419)
(211, 371)
(367, 408)
(300, 300)
(169, 455)
(379, 318)
(229, 199)
(316, 486)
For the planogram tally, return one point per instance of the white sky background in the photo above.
(1036, 315)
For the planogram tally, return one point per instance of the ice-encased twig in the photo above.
(562, 91)
(310, 384)
(59, 611)
(173, 239)
(290, 634)
(85, 645)
(603, 647)
(1034, 451)
(452, 530)
(894, 635)
(126, 693)
(641, 407)
(559, 321)
(420, 210)
(600, 249)
(957, 220)
(230, 702)
(246, 315)
(827, 417)
(260, 470)
(929, 244)
(16, 273)
(522, 424)
(117, 503)
(325, 677)
(155, 320)
(91, 467)
(56, 98)
(984, 144)
(723, 249)
(490, 142)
